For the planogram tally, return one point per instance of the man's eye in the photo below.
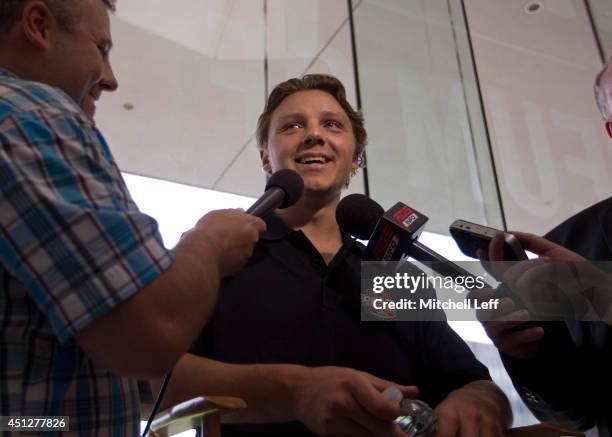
(292, 125)
(333, 123)
(104, 49)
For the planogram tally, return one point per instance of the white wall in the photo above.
(194, 78)
(536, 75)
(427, 143)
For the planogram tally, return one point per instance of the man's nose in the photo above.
(109, 81)
(313, 136)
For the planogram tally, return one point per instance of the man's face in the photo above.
(80, 57)
(311, 134)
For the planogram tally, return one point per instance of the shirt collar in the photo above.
(277, 229)
(7, 73)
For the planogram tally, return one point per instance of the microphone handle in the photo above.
(269, 201)
(437, 262)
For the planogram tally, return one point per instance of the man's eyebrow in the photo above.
(332, 113)
(293, 115)
(324, 114)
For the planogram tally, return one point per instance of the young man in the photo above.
(284, 336)
(88, 294)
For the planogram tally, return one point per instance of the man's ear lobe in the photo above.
(36, 23)
(356, 163)
(265, 161)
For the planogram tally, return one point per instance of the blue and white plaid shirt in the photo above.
(73, 246)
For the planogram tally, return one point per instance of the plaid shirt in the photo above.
(73, 246)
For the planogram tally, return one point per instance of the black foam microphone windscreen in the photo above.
(358, 215)
(283, 189)
(391, 234)
(290, 182)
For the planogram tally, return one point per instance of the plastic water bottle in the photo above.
(417, 418)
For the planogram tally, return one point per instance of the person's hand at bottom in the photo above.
(335, 401)
(478, 409)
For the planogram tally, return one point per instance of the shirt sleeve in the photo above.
(557, 385)
(69, 230)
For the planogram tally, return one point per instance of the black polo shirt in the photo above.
(288, 306)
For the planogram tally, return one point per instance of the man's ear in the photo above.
(355, 165)
(357, 157)
(36, 22)
(609, 128)
(265, 161)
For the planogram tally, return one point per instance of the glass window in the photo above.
(428, 145)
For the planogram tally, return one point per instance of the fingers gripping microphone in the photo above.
(392, 234)
(284, 188)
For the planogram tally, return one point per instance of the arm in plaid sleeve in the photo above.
(90, 260)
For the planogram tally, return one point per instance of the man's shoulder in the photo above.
(586, 232)
(18, 96)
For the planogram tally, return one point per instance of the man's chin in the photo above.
(322, 191)
(89, 108)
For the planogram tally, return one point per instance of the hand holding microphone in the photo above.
(231, 234)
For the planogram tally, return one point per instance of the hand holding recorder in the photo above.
(554, 285)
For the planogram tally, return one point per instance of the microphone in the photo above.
(391, 234)
(283, 189)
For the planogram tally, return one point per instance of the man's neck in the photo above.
(10, 58)
(25, 61)
(318, 223)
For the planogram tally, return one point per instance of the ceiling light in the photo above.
(533, 7)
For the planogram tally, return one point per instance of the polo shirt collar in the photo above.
(277, 229)
(7, 73)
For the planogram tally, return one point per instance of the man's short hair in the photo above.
(322, 82)
(600, 92)
(65, 11)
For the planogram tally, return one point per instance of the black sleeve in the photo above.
(557, 385)
(445, 361)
